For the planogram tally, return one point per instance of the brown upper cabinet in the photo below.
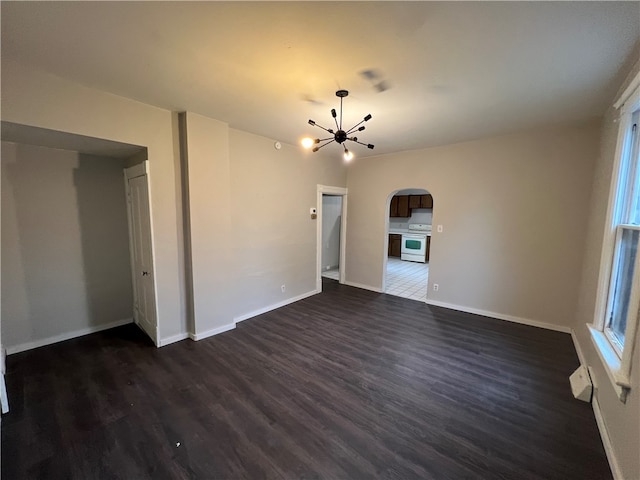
(420, 201)
(426, 201)
(393, 208)
(401, 205)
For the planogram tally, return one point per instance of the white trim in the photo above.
(212, 332)
(618, 369)
(576, 344)
(173, 339)
(66, 336)
(606, 440)
(364, 287)
(608, 243)
(611, 363)
(501, 316)
(260, 311)
(633, 84)
(156, 314)
(246, 316)
(329, 190)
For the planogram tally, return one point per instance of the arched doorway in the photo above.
(408, 234)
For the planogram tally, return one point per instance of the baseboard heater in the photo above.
(581, 385)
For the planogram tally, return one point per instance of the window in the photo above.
(620, 305)
(618, 302)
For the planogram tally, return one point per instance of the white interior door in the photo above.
(144, 312)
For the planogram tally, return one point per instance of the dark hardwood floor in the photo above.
(348, 384)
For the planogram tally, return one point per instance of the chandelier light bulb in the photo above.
(307, 142)
(348, 155)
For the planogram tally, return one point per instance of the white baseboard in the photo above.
(363, 286)
(11, 349)
(501, 316)
(172, 339)
(260, 311)
(581, 357)
(606, 441)
(212, 332)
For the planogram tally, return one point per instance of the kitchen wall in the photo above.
(331, 219)
(514, 214)
(418, 215)
(622, 419)
(65, 244)
(33, 98)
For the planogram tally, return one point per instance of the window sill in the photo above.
(611, 361)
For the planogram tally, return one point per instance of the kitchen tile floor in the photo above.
(407, 279)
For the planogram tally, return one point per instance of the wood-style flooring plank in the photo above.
(346, 384)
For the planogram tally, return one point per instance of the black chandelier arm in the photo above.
(334, 115)
(328, 130)
(353, 129)
(366, 119)
(355, 139)
(323, 145)
(318, 140)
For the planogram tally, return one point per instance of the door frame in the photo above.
(336, 191)
(140, 170)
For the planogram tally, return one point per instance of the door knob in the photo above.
(144, 274)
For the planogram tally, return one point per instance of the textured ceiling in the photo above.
(456, 71)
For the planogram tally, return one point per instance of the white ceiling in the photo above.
(457, 70)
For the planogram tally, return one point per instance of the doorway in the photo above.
(408, 223)
(331, 234)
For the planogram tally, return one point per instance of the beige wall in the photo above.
(274, 239)
(250, 230)
(65, 244)
(270, 192)
(208, 179)
(514, 211)
(32, 98)
(622, 420)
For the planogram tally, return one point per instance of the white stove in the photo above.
(414, 243)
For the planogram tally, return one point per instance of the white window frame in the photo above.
(617, 361)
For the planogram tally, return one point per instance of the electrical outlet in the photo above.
(283, 288)
(435, 287)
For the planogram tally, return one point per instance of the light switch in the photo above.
(439, 229)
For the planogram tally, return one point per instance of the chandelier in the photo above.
(339, 135)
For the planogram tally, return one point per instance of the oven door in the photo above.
(414, 248)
